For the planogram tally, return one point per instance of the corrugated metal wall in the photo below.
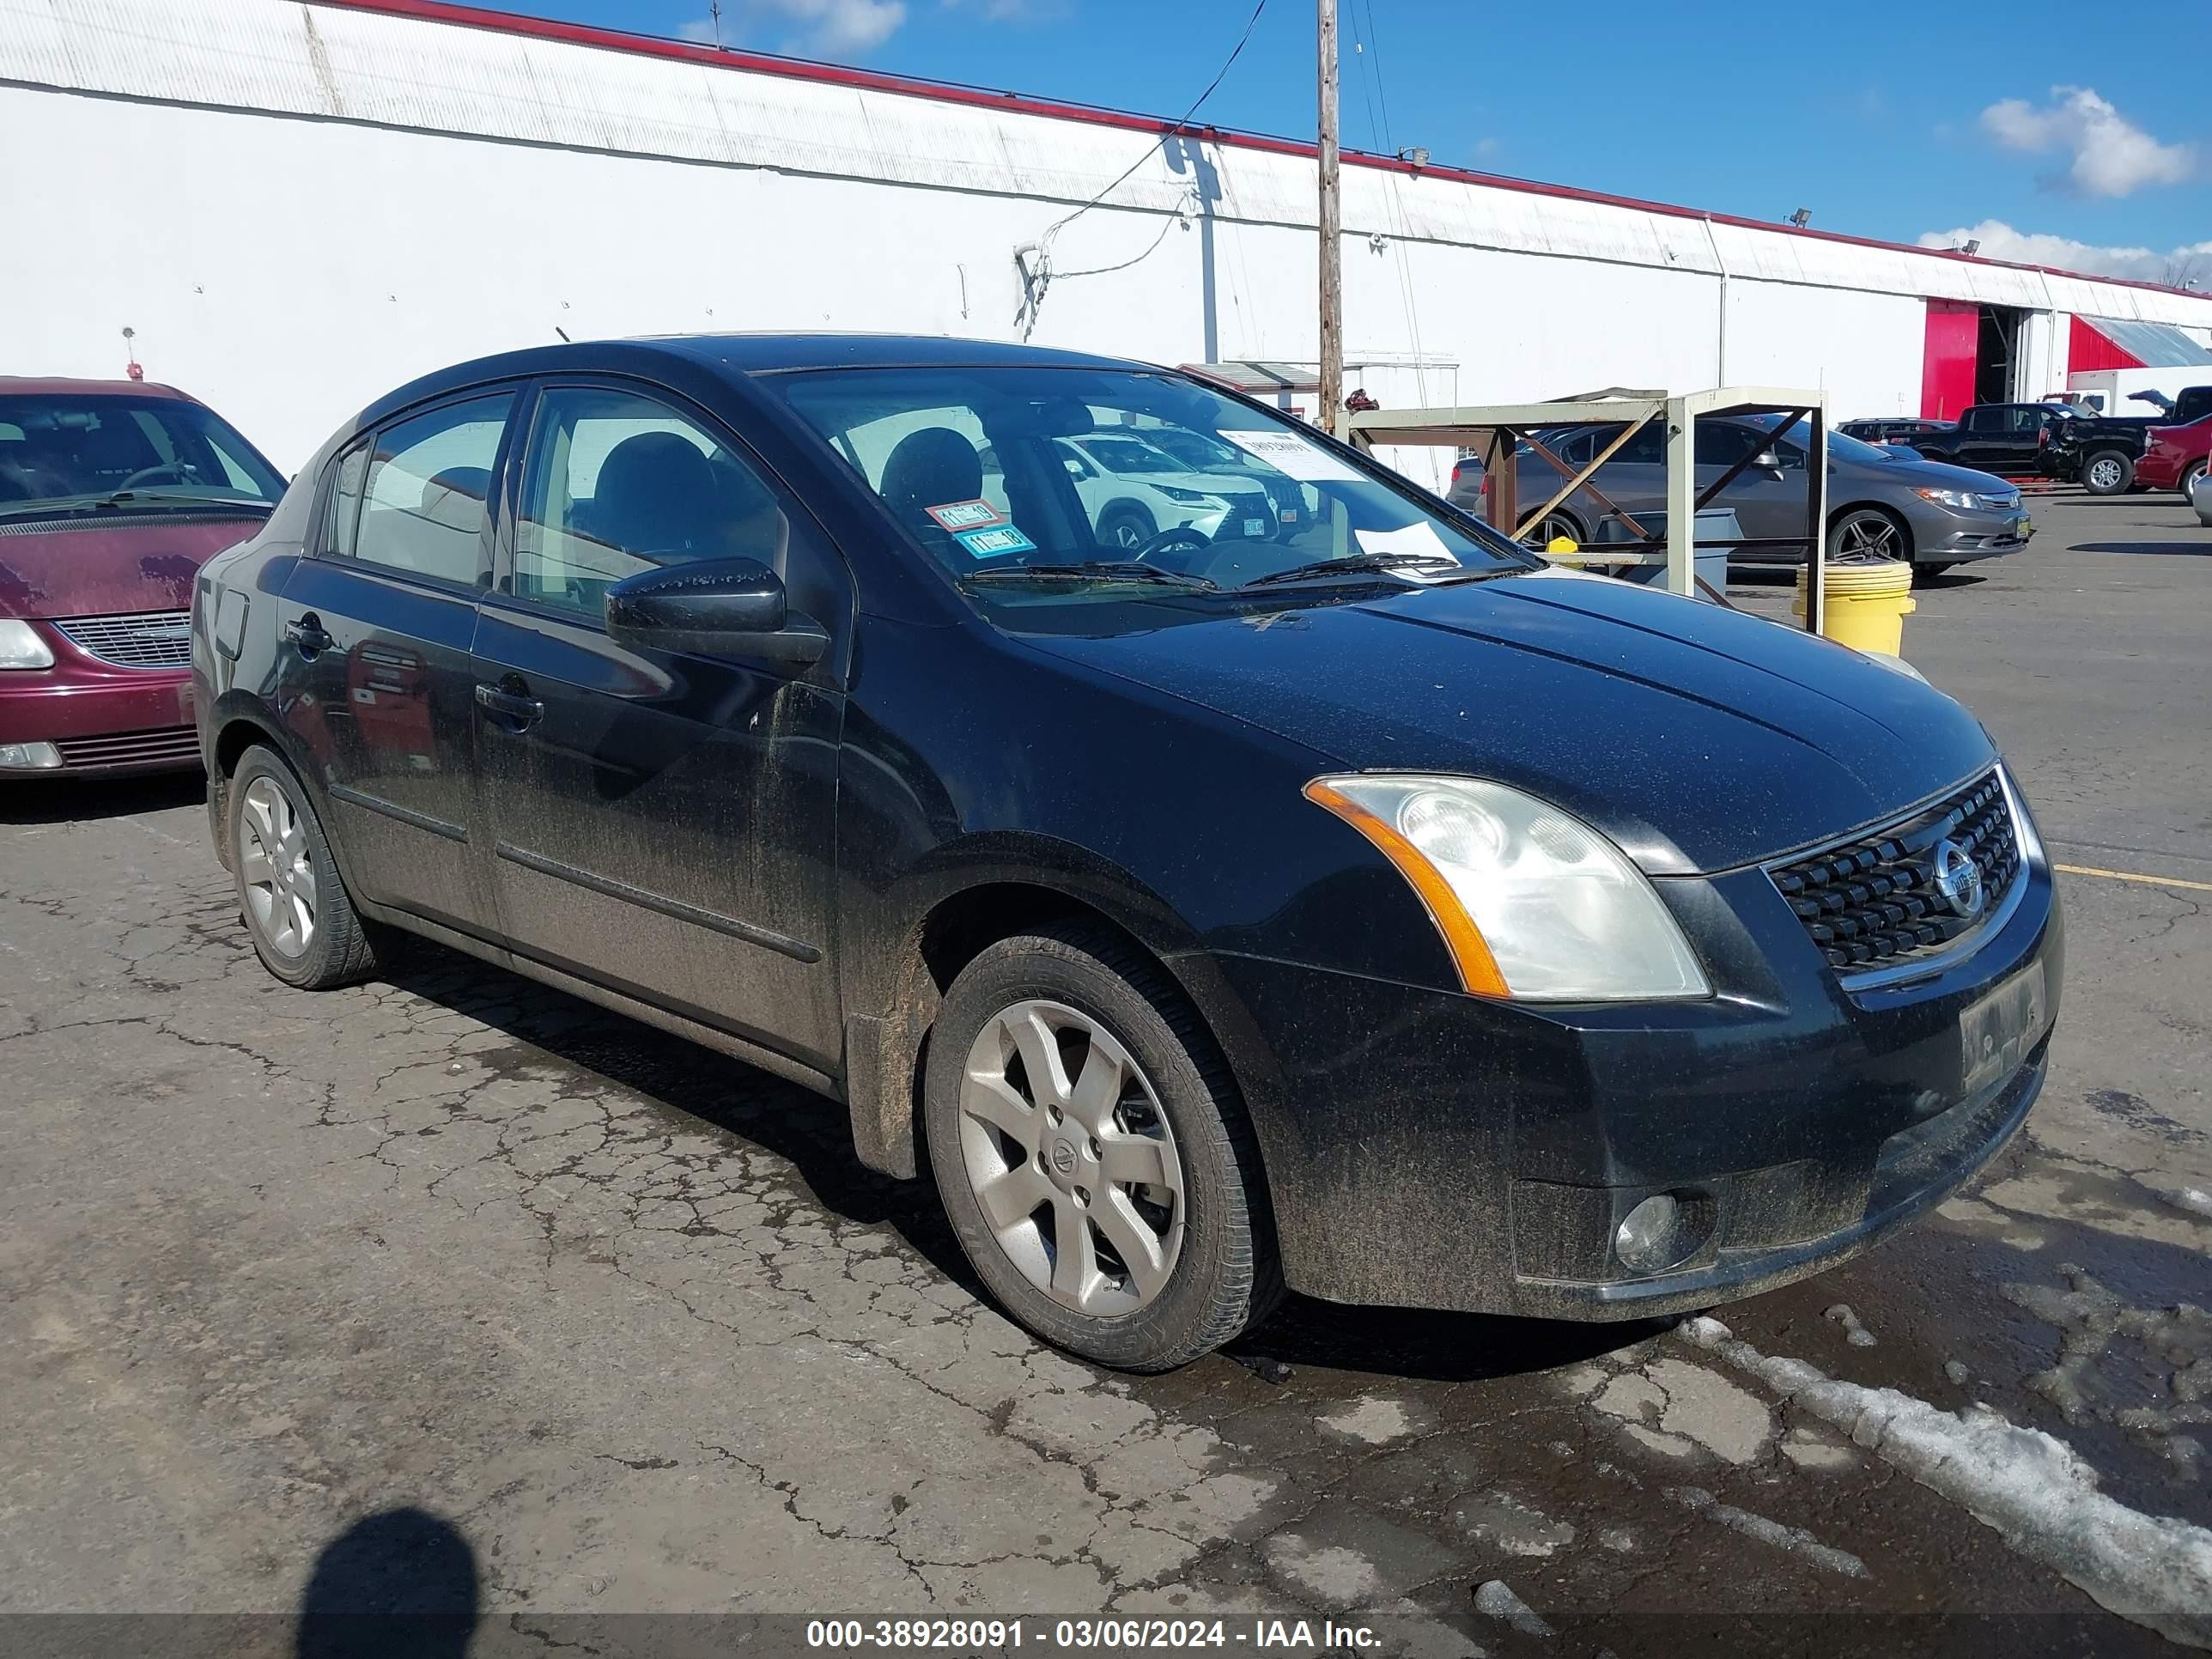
(364, 195)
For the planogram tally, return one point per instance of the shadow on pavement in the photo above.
(2179, 549)
(1427, 1347)
(36, 799)
(400, 1582)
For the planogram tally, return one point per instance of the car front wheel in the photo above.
(2188, 485)
(1093, 1154)
(1867, 532)
(2107, 473)
(303, 924)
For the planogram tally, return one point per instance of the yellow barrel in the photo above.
(1867, 604)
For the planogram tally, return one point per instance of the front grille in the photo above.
(179, 743)
(1874, 900)
(144, 638)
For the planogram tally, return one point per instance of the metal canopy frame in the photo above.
(1494, 430)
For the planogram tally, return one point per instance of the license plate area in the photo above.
(2000, 1030)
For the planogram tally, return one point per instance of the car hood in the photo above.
(1915, 474)
(79, 570)
(1697, 738)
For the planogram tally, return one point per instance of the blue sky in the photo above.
(2050, 140)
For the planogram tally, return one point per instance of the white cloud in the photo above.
(844, 25)
(2000, 240)
(700, 29)
(2111, 155)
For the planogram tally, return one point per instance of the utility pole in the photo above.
(1332, 235)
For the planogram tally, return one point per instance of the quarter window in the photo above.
(342, 508)
(618, 483)
(427, 484)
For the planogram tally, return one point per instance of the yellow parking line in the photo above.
(2130, 875)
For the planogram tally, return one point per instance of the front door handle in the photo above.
(520, 713)
(308, 633)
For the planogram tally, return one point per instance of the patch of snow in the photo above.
(1496, 1598)
(1854, 1332)
(1795, 1539)
(2032, 1489)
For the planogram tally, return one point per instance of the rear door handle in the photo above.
(519, 712)
(308, 633)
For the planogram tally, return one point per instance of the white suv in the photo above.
(1132, 491)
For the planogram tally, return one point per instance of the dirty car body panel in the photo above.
(761, 854)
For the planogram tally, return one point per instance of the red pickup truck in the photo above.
(2175, 458)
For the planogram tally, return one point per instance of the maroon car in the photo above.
(112, 494)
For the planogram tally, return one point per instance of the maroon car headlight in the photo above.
(20, 645)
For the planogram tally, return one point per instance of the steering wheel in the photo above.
(176, 471)
(1160, 541)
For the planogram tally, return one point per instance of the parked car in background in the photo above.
(111, 495)
(2012, 440)
(1135, 490)
(1213, 911)
(1881, 501)
(1895, 430)
(2175, 458)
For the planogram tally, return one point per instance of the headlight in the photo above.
(1532, 903)
(1964, 499)
(21, 648)
(1189, 497)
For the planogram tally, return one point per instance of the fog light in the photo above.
(29, 756)
(1662, 1231)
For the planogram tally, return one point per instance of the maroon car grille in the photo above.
(143, 639)
(1875, 901)
(180, 744)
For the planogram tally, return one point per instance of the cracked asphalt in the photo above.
(618, 1326)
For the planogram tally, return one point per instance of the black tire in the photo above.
(1225, 1277)
(2107, 472)
(340, 948)
(1125, 527)
(2189, 477)
(1869, 530)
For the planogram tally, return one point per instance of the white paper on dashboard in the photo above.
(1293, 456)
(1418, 536)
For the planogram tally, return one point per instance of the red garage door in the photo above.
(1947, 373)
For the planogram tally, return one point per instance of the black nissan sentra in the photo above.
(1305, 889)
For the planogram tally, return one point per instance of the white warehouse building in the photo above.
(293, 208)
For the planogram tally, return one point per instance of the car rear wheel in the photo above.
(296, 910)
(2107, 472)
(1093, 1155)
(1867, 532)
(2188, 485)
(1552, 527)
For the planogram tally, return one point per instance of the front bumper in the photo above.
(103, 720)
(1945, 535)
(1436, 1150)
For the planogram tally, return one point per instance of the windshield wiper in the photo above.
(1358, 564)
(65, 506)
(1110, 570)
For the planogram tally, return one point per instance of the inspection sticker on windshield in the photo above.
(957, 516)
(994, 542)
(1293, 456)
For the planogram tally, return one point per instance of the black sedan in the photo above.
(1341, 899)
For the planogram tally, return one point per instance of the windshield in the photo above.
(72, 450)
(1096, 479)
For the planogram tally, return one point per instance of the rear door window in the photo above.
(429, 480)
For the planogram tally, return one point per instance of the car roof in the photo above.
(745, 355)
(34, 386)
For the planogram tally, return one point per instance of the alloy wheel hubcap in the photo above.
(1070, 1158)
(2105, 474)
(1869, 535)
(278, 873)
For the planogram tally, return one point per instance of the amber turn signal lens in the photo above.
(1470, 955)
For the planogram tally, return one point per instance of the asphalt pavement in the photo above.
(452, 1296)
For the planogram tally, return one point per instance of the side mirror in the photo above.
(713, 608)
(1074, 467)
